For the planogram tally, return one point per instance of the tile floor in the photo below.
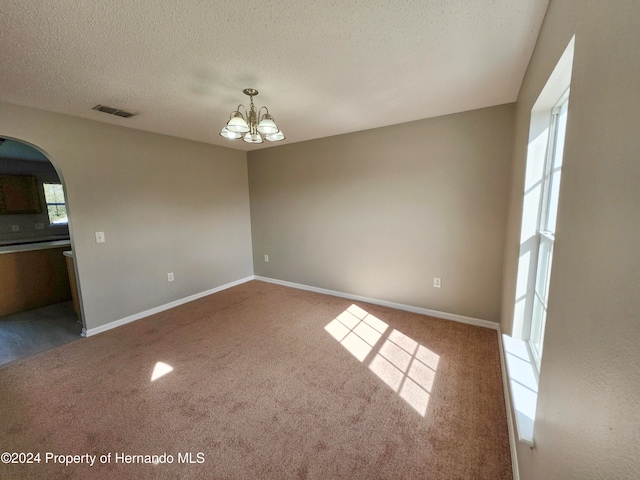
(26, 333)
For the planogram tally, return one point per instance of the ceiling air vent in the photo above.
(113, 111)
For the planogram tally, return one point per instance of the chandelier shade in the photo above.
(252, 126)
(237, 123)
(226, 133)
(275, 137)
(267, 126)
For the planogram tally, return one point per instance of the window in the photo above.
(547, 225)
(540, 194)
(56, 207)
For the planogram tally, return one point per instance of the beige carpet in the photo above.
(267, 382)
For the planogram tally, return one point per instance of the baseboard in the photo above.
(398, 306)
(432, 313)
(162, 308)
(507, 403)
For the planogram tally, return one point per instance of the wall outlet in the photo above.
(266, 258)
(100, 237)
(437, 282)
(170, 277)
(39, 226)
(15, 228)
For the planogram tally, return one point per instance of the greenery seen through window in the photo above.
(56, 207)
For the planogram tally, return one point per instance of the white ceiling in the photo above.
(322, 67)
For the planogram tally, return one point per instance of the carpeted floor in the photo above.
(264, 382)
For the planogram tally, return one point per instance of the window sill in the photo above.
(523, 386)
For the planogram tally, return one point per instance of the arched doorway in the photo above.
(36, 267)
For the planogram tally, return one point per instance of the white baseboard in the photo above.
(507, 403)
(432, 313)
(162, 308)
(398, 306)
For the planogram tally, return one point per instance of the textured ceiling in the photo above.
(322, 67)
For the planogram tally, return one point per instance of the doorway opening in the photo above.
(37, 307)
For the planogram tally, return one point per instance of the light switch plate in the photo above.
(100, 237)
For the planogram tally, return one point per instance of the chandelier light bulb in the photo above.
(251, 126)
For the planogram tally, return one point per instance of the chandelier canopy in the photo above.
(253, 125)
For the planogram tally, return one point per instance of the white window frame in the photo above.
(546, 235)
(523, 369)
(64, 204)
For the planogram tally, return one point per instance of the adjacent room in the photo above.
(320, 240)
(38, 309)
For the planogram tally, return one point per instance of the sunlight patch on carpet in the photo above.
(160, 370)
(357, 331)
(406, 366)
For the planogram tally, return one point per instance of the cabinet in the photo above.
(33, 279)
(19, 195)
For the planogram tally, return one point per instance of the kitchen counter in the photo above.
(35, 245)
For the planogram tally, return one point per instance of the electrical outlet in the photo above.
(266, 258)
(15, 228)
(100, 237)
(437, 282)
(39, 226)
(170, 277)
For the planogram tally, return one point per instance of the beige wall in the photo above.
(588, 419)
(379, 213)
(165, 205)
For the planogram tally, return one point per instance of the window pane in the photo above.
(53, 193)
(54, 196)
(560, 133)
(537, 328)
(57, 214)
(548, 220)
(544, 269)
(554, 194)
(556, 170)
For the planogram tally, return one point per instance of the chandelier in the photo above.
(252, 126)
